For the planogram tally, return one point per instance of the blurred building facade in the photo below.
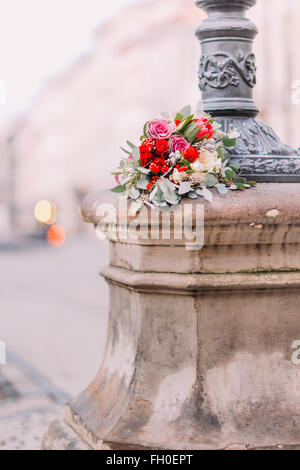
(144, 61)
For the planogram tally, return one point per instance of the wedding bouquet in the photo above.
(181, 156)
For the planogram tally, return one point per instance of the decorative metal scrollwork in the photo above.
(222, 70)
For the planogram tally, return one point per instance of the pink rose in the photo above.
(160, 129)
(178, 143)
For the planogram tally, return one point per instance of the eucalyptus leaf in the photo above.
(211, 180)
(235, 165)
(153, 192)
(143, 182)
(228, 142)
(200, 192)
(134, 193)
(192, 195)
(185, 188)
(159, 198)
(222, 189)
(230, 174)
(169, 191)
(239, 179)
(220, 152)
(207, 194)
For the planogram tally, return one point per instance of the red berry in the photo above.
(154, 167)
(149, 186)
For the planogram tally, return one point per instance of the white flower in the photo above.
(208, 161)
(176, 176)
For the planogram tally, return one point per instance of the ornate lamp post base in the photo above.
(227, 76)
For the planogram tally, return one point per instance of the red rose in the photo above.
(159, 161)
(145, 155)
(149, 143)
(191, 154)
(162, 146)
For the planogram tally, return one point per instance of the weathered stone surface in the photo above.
(200, 344)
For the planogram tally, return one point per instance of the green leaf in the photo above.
(165, 115)
(144, 170)
(169, 191)
(199, 107)
(178, 117)
(136, 153)
(228, 142)
(235, 165)
(220, 152)
(159, 198)
(239, 179)
(143, 182)
(134, 193)
(186, 111)
(222, 189)
(190, 132)
(121, 188)
(211, 180)
(145, 130)
(185, 188)
(207, 194)
(240, 185)
(200, 192)
(184, 123)
(192, 195)
(229, 173)
(126, 151)
(131, 145)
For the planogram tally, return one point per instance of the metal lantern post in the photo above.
(227, 76)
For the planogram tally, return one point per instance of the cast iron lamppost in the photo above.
(227, 76)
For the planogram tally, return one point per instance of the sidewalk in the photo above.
(53, 318)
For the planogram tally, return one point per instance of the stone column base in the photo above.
(202, 345)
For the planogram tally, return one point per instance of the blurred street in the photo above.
(53, 319)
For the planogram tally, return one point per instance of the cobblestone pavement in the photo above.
(53, 319)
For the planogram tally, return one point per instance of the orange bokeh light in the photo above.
(56, 235)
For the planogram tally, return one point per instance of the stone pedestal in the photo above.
(201, 348)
